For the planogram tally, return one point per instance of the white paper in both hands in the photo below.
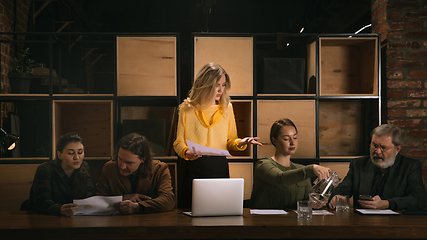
(194, 147)
(97, 205)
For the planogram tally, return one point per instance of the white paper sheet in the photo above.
(194, 147)
(97, 205)
(322, 212)
(374, 211)
(318, 212)
(268, 211)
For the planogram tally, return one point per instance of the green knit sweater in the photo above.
(280, 187)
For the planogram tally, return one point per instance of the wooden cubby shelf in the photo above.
(157, 124)
(301, 112)
(348, 66)
(234, 54)
(244, 115)
(104, 86)
(146, 66)
(92, 119)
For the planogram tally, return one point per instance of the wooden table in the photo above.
(175, 225)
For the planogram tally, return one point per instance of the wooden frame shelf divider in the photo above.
(328, 84)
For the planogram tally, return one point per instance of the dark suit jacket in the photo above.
(404, 188)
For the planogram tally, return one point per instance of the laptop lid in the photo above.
(217, 197)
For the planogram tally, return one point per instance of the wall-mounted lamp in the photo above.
(7, 141)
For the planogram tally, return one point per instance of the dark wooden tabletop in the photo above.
(176, 225)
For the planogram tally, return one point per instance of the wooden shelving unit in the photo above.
(146, 66)
(301, 112)
(92, 119)
(234, 54)
(329, 85)
(348, 66)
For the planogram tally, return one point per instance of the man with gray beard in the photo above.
(386, 179)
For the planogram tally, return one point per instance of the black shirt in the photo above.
(380, 178)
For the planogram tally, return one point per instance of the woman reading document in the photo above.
(57, 183)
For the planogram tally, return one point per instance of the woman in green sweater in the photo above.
(278, 182)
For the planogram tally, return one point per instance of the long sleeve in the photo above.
(158, 186)
(220, 135)
(165, 200)
(414, 196)
(52, 188)
(180, 145)
(360, 175)
(42, 191)
(271, 174)
(346, 185)
(277, 186)
(404, 188)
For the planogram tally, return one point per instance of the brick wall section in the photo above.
(403, 28)
(7, 24)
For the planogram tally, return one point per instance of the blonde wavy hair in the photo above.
(203, 91)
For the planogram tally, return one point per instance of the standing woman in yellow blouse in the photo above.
(206, 117)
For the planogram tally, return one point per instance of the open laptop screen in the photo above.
(217, 197)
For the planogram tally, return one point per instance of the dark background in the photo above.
(194, 16)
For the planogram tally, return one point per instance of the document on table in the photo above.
(268, 211)
(319, 212)
(97, 205)
(194, 147)
(322, 212)
(374, 211)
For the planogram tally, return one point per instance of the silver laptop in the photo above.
(217, 197)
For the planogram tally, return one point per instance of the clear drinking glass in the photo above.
(304, 209)
(342, 204)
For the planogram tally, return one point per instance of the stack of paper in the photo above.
(97, 205)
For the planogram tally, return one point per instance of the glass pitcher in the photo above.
(321, 190)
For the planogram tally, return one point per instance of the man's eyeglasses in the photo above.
(382, 148)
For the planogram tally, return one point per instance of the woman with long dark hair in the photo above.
(57, 183)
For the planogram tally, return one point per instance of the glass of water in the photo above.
(304, 209)
(342, 204)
